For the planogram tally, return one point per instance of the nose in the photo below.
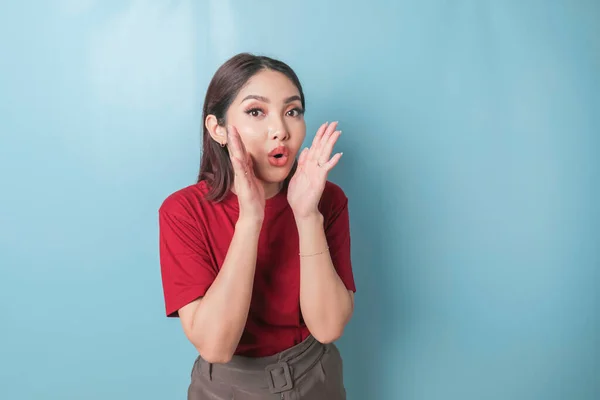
(278, 131)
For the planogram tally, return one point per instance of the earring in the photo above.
(223, 144)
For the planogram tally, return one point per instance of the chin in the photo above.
(275, 176)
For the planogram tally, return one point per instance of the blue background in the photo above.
(471, 140)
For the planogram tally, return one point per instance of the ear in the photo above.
(217, 132)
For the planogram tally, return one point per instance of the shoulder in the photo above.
(333, 197)
(185, 201)
(333, 191)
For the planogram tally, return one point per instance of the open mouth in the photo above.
(278, 157)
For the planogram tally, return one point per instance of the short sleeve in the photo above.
(186, 268)
(337, 231)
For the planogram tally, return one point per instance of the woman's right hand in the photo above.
(249, 190)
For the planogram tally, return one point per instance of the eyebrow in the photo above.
(266, 100)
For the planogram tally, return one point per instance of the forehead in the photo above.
(271, 84)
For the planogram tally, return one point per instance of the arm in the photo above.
(325, 302)
(215, 323)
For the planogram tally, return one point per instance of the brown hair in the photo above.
(215, 165)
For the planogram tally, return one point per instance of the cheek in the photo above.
(253, 140)
(298, 133)
(249, 129)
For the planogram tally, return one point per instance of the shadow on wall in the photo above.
(374, 330)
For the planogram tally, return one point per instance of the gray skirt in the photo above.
(309, 370)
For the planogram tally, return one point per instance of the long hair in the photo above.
(215, 165)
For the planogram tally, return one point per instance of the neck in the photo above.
(271, 189)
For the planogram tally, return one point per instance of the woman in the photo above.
(255, 257)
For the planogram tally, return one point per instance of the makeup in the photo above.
(278, 157)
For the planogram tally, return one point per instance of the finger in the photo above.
(333, 162)
(236, 146)
(239, 167)
(317, 138)
(232, 142)
(303, 156)
(327, 148)
(250, 169)
(323, 139)
(319, 133)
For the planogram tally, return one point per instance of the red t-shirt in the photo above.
(194, 238)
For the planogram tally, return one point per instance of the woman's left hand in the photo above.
(307, 184)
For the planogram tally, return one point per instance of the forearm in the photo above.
(220, 317)
(325, 301)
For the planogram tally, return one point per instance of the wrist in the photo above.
(249, 222)
(309, 219)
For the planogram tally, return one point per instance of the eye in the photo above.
(254, 112)
(295, 112)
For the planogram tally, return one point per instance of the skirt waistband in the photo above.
(277, 373)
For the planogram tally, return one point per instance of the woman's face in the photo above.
(269, 117)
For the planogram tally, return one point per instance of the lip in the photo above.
(279, 161)
(279, 150)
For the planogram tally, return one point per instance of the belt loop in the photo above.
(207, 369)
